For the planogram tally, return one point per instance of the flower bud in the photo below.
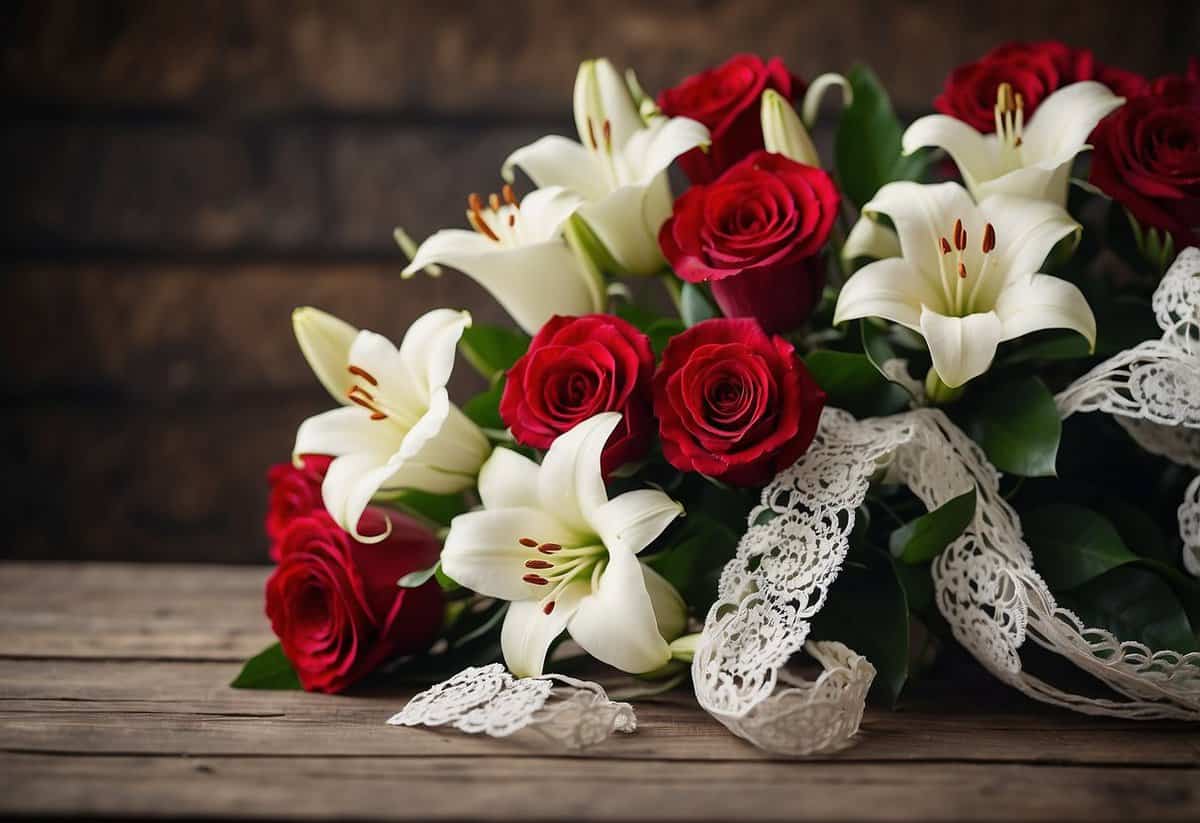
(783, 131)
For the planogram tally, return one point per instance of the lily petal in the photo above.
(888, 288)
(968, 148)
(1060, 127)
(528, 631)
(350, 483)
(429, 347)
(569, 482)
(346, 431)
(601, 95)
(544, 211)
(508, 480)
(870, 239)
(961, 347)
(325, 342)
(1026, 231)
(1044, 302)
(652, 149)
(627, 224)
(670, 611)
(445, 441)
(1040, 181)
(557, 161)
(617, 624)
(483, 550)
(533, 282)
(783, 130)
(922, 215)
(630, 522)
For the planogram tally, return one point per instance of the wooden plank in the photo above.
(197, 187)
(556, 788)
(518, 57)
(161, 708)
(119, 611)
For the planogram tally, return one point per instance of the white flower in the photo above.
(517, 253)
(1031, 160)
(397, 428)
(968, 277)
(549, 539)
(618, 167)
(784, 132)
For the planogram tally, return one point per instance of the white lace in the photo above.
(986, 586)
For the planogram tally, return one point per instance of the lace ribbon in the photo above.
(986, 586)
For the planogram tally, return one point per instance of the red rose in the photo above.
(726, 100)
(576, 368)
(294, 493)
(1146, 156)
(334, 603)
(733, 403)
(755, 234)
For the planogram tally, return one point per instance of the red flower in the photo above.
(1146, 156)
(294, 493)
(576, 368)
(756, 234)
(1034, 70)
(733, 403)
(334, 603)
(726, 100)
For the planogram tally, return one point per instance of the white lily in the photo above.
(1026, 160)
(397, 428)
(517, 252)
(784, 132)
(968, 275)
(549, 539)
(618, 167)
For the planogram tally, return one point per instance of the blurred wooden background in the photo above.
(178, 175)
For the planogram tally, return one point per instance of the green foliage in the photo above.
(1017, 424)
(694, 305)
(438, 509)
(867, 148)
(484, 408)
(923, 539)
(693, 560)
(1134, 604)
(867, 609)
(492, 350)
(269, 669)
(853, 383)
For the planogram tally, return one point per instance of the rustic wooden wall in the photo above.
(178, 175)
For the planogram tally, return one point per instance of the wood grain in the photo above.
(113, 701)
(517, 58)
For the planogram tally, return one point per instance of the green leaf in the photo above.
(492, 350)
(439, 509)
(1072, 545)
(269, 669)
(917, 582)
(867, 610)
(854, 384)
(484, 408)
(1054, 345)
(1018, 427)
(923, 539)
(878, 349)
(692, 563)
(414, 580)
(867, 148)
(661, 332)
(1133, 604)
(694, 306)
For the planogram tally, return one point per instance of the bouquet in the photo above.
(790, 434)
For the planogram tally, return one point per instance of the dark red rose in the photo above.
(734, 403)
(294, 493)
(1127, 84)
(756, 234)
(334, 603)
(1146, 156)
(726, 100)
(576, 368)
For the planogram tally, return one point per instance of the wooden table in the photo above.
(113, 680)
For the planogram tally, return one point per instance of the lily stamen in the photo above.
(358, 371)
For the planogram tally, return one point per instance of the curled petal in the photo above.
(1060, 127)
(544, 211)
(1044, 302)
(349, 485)
(1026, 231)
(627, 224)
(961, 347)
(890, 289)
(630, 522)
(650, 150)
(528, 630)
(570, 483)
(969, 149)
(670, 610)
(428, 349)
(557, 161)
(870, 239)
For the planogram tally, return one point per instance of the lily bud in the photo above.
(684, 648)
(784, 132)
